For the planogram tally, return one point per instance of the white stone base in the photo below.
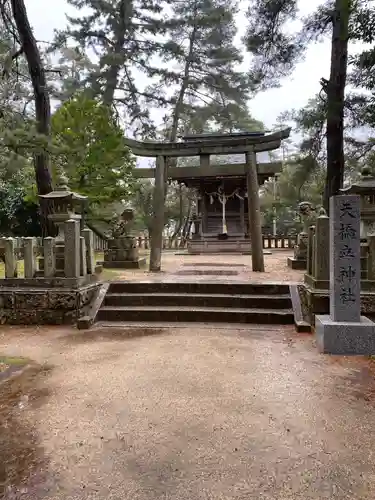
(334, 337)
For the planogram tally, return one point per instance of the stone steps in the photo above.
(200, 287)
(196, 302)
(199, 299)
(195, 314)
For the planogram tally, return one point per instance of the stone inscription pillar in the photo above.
(345, 252)
(344, 330)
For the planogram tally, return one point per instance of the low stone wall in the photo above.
(218, 246)
(314, 301)
(45, 306)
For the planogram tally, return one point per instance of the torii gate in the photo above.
(247, 143)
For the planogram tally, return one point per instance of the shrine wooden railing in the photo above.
(101, 244)
(279, 241)
(269, 241)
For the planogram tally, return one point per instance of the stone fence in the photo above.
(314, 292)
(42, 257)
(317, 272)
(60, 277)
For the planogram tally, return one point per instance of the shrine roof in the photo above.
(223, 137)
(212, 145)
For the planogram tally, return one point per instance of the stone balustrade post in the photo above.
(310, 243)
(90, 253)
(371, 258)
(321, 264)
(83, 256)
(29, 257)
(49, 257)
(313, 255)
(72, 249)
(10, 258)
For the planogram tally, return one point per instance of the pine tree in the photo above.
(276, 52)
(200, 59)
(71, 73)
(122, 35)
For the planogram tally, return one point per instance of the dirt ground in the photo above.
(185, 414)
(276, 269)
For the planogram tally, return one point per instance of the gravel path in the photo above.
(187, 414)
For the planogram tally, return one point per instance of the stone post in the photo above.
(83, 258)
(72, 249)
(10, 258)
(90, 254)
(29, 257)
(49, 257)
(310, 243)
(313, 256)
(255, 222)
(344, 330)
(321, 265)
(158, 218)
(371, 258)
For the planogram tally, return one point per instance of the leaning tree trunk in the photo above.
(42, 106)
(335, 101)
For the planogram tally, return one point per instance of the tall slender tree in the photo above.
(335, 89)
(122, 35)
(276, 51)
(200, 59)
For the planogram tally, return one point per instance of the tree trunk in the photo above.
(335, 101)
(113, 71)
(42, 106)
(184, 85)
(254, 215)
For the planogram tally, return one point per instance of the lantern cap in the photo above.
(365, 185)
(62, 189)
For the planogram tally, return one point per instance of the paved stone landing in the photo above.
(275, 264)
(210, 269)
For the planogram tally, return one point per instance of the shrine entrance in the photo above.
(227, 211)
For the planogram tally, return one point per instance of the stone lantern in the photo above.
(365, 188)
(64, 203)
